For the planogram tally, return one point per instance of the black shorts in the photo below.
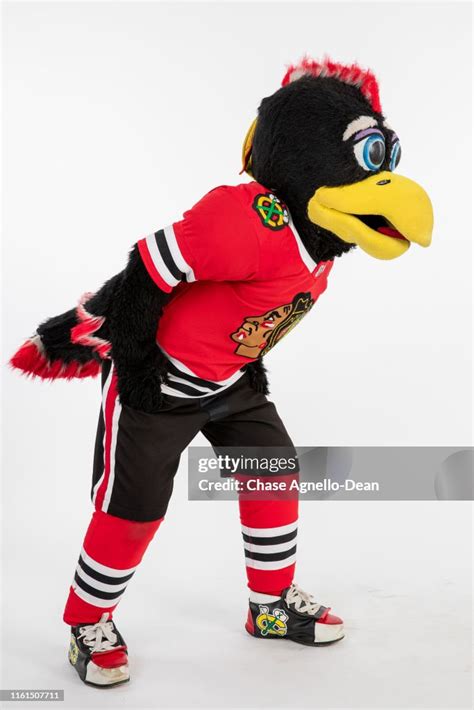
(137, 454)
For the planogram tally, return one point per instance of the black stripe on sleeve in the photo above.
(271, 556)
(97, 592)
(166, 255)
(191, 378)
(277, 540)
(104, 577)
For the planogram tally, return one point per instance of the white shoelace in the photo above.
(100, 636)
(302, 601)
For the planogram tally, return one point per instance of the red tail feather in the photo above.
(30, 357)
(84, 332)
(32, 361)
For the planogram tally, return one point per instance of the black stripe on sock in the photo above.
(277, 540)
(110, 596)
(270, 556)
(166, 254)
(190, 378)
(103, 577)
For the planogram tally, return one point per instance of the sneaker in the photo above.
(99, 654)
(294, 616)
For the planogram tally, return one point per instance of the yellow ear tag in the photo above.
(247, 149)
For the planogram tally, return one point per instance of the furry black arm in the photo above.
(55, 332)
(119, 321)
(132, 321)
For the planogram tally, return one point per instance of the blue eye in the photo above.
(396, 155)
(370, 152)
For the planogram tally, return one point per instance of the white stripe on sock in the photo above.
(270, 532)
(95, 601)
(109, 571)
(259, 598)
(100, 586)
(282, 547)
(271, 564)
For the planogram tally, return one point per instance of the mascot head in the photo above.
(322, 143)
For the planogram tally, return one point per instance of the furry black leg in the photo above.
(258, 376)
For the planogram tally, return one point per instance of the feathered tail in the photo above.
(67, 346)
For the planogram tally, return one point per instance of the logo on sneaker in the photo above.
(272, 623)
(73, 651)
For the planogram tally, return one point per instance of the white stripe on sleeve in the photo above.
(178, 258)
(158, 262)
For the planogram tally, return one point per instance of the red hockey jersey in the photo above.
(241, 280)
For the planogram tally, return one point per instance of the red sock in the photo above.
(113, 548)
(269, 529)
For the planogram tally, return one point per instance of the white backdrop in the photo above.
(119, 116)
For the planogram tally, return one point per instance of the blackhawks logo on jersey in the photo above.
(272, 212)
(272, 623)
(258, 334)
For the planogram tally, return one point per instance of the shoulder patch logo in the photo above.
(272, 212)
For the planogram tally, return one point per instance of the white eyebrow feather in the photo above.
(358, 124)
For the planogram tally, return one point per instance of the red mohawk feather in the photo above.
(352, 74)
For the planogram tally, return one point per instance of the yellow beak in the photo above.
(397, 209)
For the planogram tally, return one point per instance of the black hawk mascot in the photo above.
(179, 337)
